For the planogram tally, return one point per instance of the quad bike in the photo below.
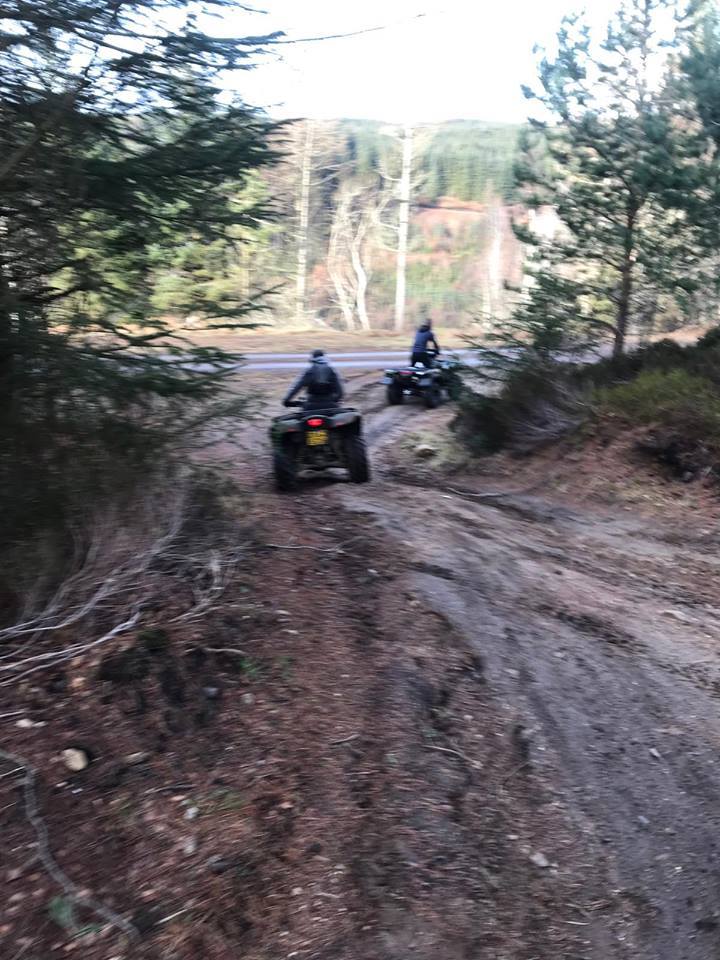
(318, 440)
(432, 384)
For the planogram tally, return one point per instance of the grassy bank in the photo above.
(666, 393)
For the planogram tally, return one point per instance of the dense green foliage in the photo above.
(674, 393)
(628, 170)
(689, 402)
(120, 164)
(464, 159)
(673, 389)
(629, 162)
(469, 161)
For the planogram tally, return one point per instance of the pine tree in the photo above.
(615, 160)
(701, 69)
(116, 150)
(697, 88)
(118, 161)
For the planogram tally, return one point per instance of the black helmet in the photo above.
(316, 354)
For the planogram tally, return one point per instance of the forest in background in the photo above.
(328, 250)
(138, 204)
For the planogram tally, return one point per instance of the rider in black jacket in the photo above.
(423, 339)
(321, 383)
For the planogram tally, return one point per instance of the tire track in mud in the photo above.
(432, 872)
(598, 695)
(543, 594)
(388, 891)
(385, 425)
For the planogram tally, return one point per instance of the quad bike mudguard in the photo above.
(333, 419)
(318, 440)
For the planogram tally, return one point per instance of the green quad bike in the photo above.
(318, 440)
(433, 385)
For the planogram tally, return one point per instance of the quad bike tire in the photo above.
(454, 387)
(285, 472)
(394, 394)
(433, 397)
(356, 459)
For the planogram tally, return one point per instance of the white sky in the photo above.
(463, 59)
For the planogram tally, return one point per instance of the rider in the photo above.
(321, 383)
(423, 338)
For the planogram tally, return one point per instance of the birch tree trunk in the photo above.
(494, 259)
(403, 226)
(303, 222)
(339, 225)
(356, 248)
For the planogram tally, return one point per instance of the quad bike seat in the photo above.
(319, 411)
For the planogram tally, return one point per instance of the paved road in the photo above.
(370, 360)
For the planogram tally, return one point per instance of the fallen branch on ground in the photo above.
(56, 657)
(455, 753)
(492, 496)
(218, 567)
(128, 565)
(71, 890)
(340, 548)
(339, 743)
(515, 771)
(98, 581)
(234, 650)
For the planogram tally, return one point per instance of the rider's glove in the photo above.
(286, 403)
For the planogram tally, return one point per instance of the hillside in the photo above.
(423, 668)
(407, 724)
(336, 192)
(461, 246)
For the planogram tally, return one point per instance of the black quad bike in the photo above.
(318, 440)
(432, 384)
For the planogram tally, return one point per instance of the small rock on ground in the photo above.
(540, 860)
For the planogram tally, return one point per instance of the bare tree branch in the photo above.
(70, 889)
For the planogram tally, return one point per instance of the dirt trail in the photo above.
(602, 634)
(599, 637)
(433, 719)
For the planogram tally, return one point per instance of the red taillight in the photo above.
(315, 422)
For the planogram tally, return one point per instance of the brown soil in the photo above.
(614, 468)
(439, 716)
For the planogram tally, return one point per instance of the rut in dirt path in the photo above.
(604, 640)
(439, 846)
(601, 638)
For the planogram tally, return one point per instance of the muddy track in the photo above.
(435, 845)
(599, 638)
(602, 633)
(432, 718)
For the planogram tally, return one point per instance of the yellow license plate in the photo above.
(316, 438)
